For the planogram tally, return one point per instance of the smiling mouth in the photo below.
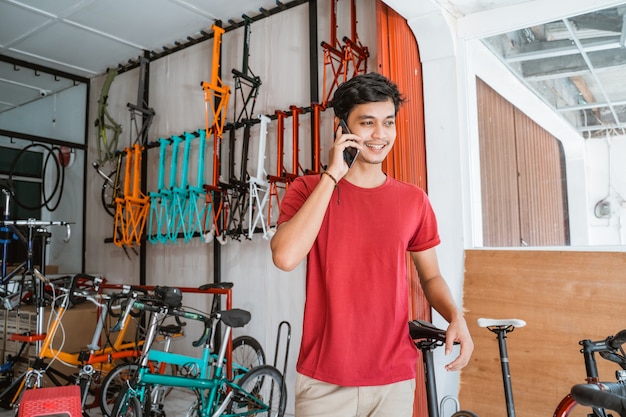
(376, 147)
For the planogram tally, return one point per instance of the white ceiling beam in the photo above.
(525, 14)
(552, 49)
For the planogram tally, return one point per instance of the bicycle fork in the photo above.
(84, 382)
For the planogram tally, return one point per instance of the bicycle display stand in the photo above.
(9, 230)
(35, 227)
(284, 326)
(232, 207)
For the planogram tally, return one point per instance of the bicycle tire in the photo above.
(262, 384)
(247, 353)
(569, 404)
(115, 381)
(464, 413)
(8, 393)
(106, 196)
(193, 410)
(127, 405)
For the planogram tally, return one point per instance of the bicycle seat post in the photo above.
(219, 365)
(500, 327)
(426, 347)
(501, 332)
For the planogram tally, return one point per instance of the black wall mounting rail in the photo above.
(204, 36)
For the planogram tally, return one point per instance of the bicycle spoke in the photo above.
(261, 393)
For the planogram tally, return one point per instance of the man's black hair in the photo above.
(365, 88)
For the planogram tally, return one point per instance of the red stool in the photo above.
(51, 401)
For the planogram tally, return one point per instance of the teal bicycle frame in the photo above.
(203, 382)
(159, 219)
(206, 375)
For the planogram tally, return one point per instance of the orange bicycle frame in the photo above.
(132, 210)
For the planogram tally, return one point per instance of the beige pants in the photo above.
(319, 399)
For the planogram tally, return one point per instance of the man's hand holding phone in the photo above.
(350, 153)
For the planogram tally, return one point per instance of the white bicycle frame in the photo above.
(259, 186)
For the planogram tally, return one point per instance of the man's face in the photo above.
(375, 124)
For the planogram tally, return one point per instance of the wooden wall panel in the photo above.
(498, 166)
(564, 297)
(522, 177)
(542, 186)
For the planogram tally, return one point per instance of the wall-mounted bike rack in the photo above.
(338, 58)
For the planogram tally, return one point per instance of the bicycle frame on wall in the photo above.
(216, 95)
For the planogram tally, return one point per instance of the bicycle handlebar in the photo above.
(74, 295)
(121, 318)
(125, 294)
(610, 395)
(609, 348)
(162, 303)
(177, 313)
(618, 340)
(77, 295)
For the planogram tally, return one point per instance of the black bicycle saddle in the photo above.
(420, 329)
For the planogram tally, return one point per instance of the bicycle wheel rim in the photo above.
(107, 199)
(127, 405)
(261, 393)
(113, 384)
(247, 353)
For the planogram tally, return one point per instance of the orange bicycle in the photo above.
(91, 364)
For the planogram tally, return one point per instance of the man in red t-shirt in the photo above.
(355, 225)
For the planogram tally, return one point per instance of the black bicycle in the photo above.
(596, 394)
(432, 337)
(427, 338)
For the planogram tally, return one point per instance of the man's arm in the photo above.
(440, 298)
(293, 239)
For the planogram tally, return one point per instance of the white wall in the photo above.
(60, 116)
(609, 183)
(452, 57)
(279, 55)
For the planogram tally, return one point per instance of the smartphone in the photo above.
(350, 153)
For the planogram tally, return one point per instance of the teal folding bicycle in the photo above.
(258, 392)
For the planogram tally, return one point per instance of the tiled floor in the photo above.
(176, 405)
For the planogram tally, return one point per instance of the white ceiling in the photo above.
(85, 37)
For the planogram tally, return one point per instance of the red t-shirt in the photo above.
(355, 330)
